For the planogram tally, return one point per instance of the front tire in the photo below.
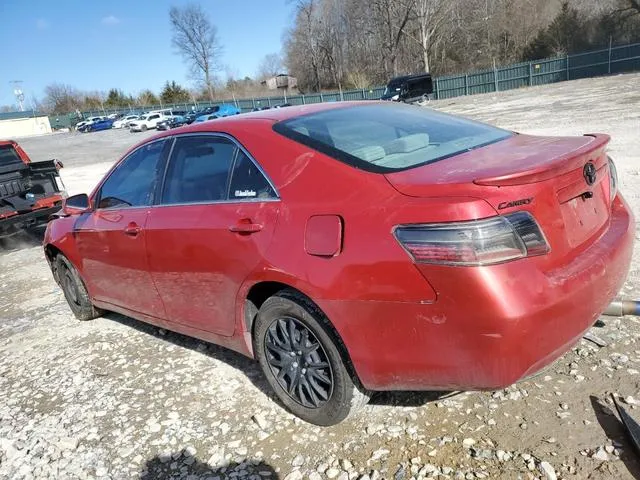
(74, 290)
(298, 354)
(143, 128)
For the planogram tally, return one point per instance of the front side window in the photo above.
(388, 137)
(133, 181)
(247, 181)
(198, 170)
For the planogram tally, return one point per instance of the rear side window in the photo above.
(248, 181)
(8, 155)
(389, 137)
(134, 180)
(198, 170)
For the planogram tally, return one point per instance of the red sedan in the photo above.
(355, 247)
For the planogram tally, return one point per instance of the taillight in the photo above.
(613, 180)
(477, 242)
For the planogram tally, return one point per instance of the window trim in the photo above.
(239, 147)
(162, 163)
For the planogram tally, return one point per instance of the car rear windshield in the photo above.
(390, 137)
(8, 155)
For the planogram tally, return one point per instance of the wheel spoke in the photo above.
(318, 390)
(286, 341)
(313, 373)
(292, 333)
(318, 365)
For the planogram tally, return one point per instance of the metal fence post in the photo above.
(303, 101)
(466, 84)
(495, 74)
(610, 42)
(530, 74)
(568, 68)
(437, 90)
(321, 99)
(364, 95)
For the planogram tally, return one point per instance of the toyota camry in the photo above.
(354, 247)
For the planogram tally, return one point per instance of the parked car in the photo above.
(125, 121)
(172, 122)
(409, 88)
(467, 256)
(115, 116)
(30, 192)
(219, 111)
(104, 124)
(88, 121)
(145, 122)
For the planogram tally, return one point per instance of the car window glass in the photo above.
(386, 137)
(198, 170)
(247, 181)
(131, 184)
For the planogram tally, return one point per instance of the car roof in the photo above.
(223, 124)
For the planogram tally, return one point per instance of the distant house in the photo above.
(281, 81)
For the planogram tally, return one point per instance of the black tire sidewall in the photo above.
(84, 309)
(339, 405)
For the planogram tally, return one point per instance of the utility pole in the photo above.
(17, 91)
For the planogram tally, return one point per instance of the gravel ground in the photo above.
(115, 398)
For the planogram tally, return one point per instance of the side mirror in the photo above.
(76, 204)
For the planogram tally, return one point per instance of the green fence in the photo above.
(607, 61)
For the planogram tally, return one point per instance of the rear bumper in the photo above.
(34, 218)
(491, 326)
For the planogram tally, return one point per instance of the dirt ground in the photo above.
(115, 398)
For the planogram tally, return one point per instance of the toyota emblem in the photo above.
(589, 173)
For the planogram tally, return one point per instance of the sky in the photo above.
(98, 45)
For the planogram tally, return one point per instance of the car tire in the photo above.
(143, 128)
(325, 392)
(74, 290)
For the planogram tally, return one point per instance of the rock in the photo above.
(610, 448)
(298, 461)
(315, 476)
(68, 443)
(101, 471)
(295, 475)
(400, 473)
(224, 428)
(343, 476)
(601, 455)
(346, 465)
(629, 400)
(547, 470)
(322, 468)
(165, 456)
(468, 442)
(260, 421)
(332, 472)
(190, 451)
(378, 454)
(373, 428)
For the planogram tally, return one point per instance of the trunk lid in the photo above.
(562, 181)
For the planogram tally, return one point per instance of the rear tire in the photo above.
(74, 290)
(300, 357)
(143, 128)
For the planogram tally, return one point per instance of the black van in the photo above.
(409, 88)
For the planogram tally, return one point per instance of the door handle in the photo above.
(245, 226)
(133, 229)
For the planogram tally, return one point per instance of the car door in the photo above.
(111, 239)
(210, 229)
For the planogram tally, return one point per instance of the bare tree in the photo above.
(62, 98)
(270, 65)
(196, 39)
(430, 15)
